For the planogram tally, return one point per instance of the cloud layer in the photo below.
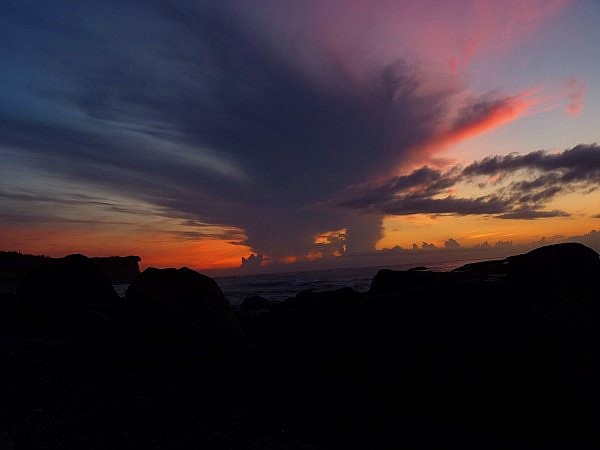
(512, 186)
(249, 118)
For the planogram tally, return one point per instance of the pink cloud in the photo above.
(363, 33)
(473, 118)
(356, 38)
(575, 93)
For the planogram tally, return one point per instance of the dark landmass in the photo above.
(494, 355)
(14, 266)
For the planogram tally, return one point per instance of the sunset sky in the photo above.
(313, 133)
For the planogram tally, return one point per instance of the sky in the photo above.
(268, 135)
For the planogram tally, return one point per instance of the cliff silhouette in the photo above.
(15, 265)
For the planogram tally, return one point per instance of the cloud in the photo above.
(591, 239)
(446, 36)
(529, 214)
(253, 261)
(575, 91)
(580, 163)
(503, 244)
(248, 118)
(451, 243)
(515, 186)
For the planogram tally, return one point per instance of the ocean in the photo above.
(277, 287)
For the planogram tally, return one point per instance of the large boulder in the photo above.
(10, 319)
(393, 281)
(255, 303)
(337, 301)
(525, 330)
(560, 283)
(182, 310)
(64, 284)
(120, 269)
(319, 326)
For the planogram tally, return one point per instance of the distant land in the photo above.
(14, 266)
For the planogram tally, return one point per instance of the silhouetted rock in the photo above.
(281, 444)
(337, 301)
(388, 281)
(64, 284)
(561, 282)
(317, 326)
(120, 269)
(182, 310)
(10, 319)
(14, 266)
(495, 355)
(522, 331)
(81, 335)
(81, 323)
(255, 303)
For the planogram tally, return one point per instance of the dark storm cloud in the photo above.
(581, 163)
(418, 192)
(447, 205)
(528, 214)
(184, 106)
(543, 177)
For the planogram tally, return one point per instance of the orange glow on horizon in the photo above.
(474, 230)
(156, 250)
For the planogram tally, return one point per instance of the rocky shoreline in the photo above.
(499, 354)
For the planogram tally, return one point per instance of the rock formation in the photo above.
(183, 309)
(64, 284)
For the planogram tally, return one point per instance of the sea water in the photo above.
(277, 287)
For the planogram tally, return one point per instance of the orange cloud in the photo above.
(290, 259)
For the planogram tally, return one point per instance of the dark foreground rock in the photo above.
(10, 319)
(182, 310)
(14, 266)
(255, 303)
(507, 347)
(120, 269)
(64, 284)
(496, 355)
